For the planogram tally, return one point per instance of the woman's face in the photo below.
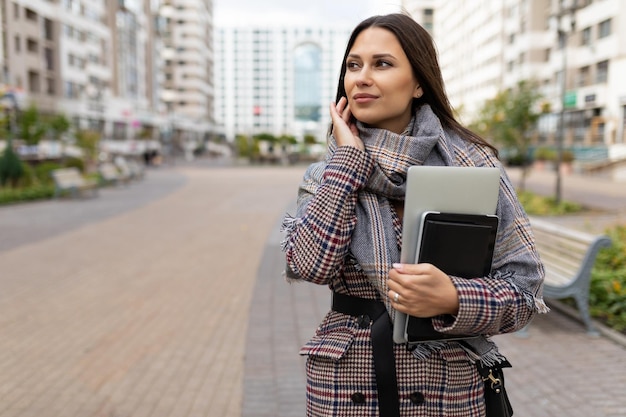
(379, 81)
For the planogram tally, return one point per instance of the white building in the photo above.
(487, 46)
(277, 79)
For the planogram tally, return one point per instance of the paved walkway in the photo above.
(165, 299)
(141, 312)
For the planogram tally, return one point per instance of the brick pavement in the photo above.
(174, 306)
(143, 312)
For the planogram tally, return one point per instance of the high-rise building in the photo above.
(186, 33)
(423, 12)
(277, 80)
(58, 54)
(487, 46)
(129, 69)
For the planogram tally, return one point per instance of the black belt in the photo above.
(382, 347)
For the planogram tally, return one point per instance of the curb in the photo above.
(604, 330)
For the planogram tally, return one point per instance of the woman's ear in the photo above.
(418, 92)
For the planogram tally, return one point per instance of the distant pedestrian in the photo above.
(392, 112)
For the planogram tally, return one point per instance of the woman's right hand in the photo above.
(344, 130)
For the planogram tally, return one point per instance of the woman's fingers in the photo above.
(424, 290)
(344, 130)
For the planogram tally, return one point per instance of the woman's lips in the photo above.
(364, 98)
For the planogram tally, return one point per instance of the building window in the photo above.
(602, 72)
(585, 37)
(31, 45)
(50, 87)
(17, 43)
(583, 76)
(119, 130)
(49, 58)
(510, 66)
(307, 81)
(31, 15)
(16, 11)
(605, 29)
(48, 29)
(33, 82)
(72, 90)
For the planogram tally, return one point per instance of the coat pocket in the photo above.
(332, 339)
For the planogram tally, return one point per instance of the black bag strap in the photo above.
(382, 347)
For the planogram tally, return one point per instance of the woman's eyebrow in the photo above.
(376, 56)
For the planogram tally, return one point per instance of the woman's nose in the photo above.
(364, 76)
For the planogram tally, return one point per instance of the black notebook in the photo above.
(460, 245)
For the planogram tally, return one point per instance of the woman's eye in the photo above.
(384, 64)
(352, 65)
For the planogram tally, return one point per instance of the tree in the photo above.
(510, 119)
(88, 141)
(288, 140)
(58, 125)
(267, 137)
(11, 167)
(310, 139)
(32, 128)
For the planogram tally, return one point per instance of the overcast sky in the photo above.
(351, 12)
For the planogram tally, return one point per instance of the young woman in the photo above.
(392, 112)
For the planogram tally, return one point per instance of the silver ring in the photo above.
(396, 298)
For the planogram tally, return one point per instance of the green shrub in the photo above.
(545, 206)
(544, 154)
(567, 156)
(28, 177)
(43, 171)
(608, 282)
(37, 192)
(11, 167)
(75, 163)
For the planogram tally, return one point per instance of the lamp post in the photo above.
(563, 35)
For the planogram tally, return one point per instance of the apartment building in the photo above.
(486, 46)
(105, 64)
(277, 79)
(186, 61)
(423, 12)
(56, 53)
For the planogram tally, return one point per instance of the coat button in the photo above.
(416, 398)
(363, 321)
(358, 398)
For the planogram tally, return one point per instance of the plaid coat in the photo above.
(340, 372)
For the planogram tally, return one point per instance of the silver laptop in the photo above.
(463, 190)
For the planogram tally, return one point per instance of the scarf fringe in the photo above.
(491, 358)
(423, 350)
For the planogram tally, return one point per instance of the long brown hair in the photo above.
(419, 48)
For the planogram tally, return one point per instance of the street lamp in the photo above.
(567, 13)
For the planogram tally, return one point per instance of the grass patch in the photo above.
(32, 193)
(537, 205)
